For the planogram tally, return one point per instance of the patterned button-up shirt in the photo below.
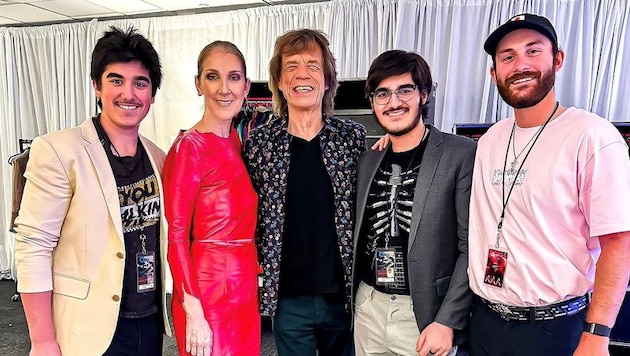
(267, 156)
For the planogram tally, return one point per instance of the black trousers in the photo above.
(137, 337)
(305, 324)
(490, 335)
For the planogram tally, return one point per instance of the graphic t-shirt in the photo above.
(388, 219)
(139, 199)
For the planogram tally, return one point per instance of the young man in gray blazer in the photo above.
(411, 234)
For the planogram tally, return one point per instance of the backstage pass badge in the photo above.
(385, 260)
(145, 271)
(495, 268)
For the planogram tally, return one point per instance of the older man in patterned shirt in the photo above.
(303, 165)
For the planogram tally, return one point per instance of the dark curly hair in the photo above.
(398, 62)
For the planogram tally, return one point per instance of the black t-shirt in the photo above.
(389, 204)
(139, 198)
(311, 263)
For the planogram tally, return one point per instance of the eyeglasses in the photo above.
(404, 93)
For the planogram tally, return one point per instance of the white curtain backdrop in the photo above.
(47, 67)
(46, 71)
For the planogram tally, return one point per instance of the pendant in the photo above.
(513, 165)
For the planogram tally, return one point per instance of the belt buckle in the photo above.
(504, 311)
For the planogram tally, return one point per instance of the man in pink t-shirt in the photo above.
(548, 221)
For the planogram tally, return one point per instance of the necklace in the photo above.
(516, 156)
(505, 200)
(515, 162)
(396, 181)
(416, 149)
(140, 205)
(120, 159)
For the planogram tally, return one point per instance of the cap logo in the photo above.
(518, 18)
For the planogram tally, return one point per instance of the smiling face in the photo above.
(223, 84)
(525, 68)
(397, 117)
(302, 80)
(126, 95)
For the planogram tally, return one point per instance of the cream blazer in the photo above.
(69, 236)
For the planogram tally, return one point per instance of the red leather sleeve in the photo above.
(182, 180)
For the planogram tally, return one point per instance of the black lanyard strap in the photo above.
(505, 199)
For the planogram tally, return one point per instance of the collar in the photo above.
(280, 125)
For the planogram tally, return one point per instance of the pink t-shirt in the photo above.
(573, 187)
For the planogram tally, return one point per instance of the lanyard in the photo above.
(505, 199)
(107, 142)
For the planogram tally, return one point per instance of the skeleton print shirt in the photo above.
(388, 219)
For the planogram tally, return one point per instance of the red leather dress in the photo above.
(210, 206)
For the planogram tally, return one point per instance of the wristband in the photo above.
(597, 329)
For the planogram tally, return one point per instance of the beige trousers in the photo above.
(384, 324)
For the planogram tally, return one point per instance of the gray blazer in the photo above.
(438, 240)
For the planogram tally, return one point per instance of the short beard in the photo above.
(539, 92)
(402, 131)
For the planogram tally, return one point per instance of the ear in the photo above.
(97, 90)
(423, 97)
(279, 85)
(559, 59)
(198, 86)
(248, 85)
(493, 74)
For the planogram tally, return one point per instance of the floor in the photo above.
(14, 333)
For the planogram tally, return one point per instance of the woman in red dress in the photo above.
(211, 211)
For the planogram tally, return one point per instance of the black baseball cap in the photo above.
(530, 21)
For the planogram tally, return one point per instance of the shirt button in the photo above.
(115, 298)
(393, 297)
(120, 255)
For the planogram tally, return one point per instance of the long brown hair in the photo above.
(294, 42)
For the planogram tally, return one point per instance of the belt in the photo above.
(547, 312)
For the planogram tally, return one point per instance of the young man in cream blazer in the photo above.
(91, 236)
